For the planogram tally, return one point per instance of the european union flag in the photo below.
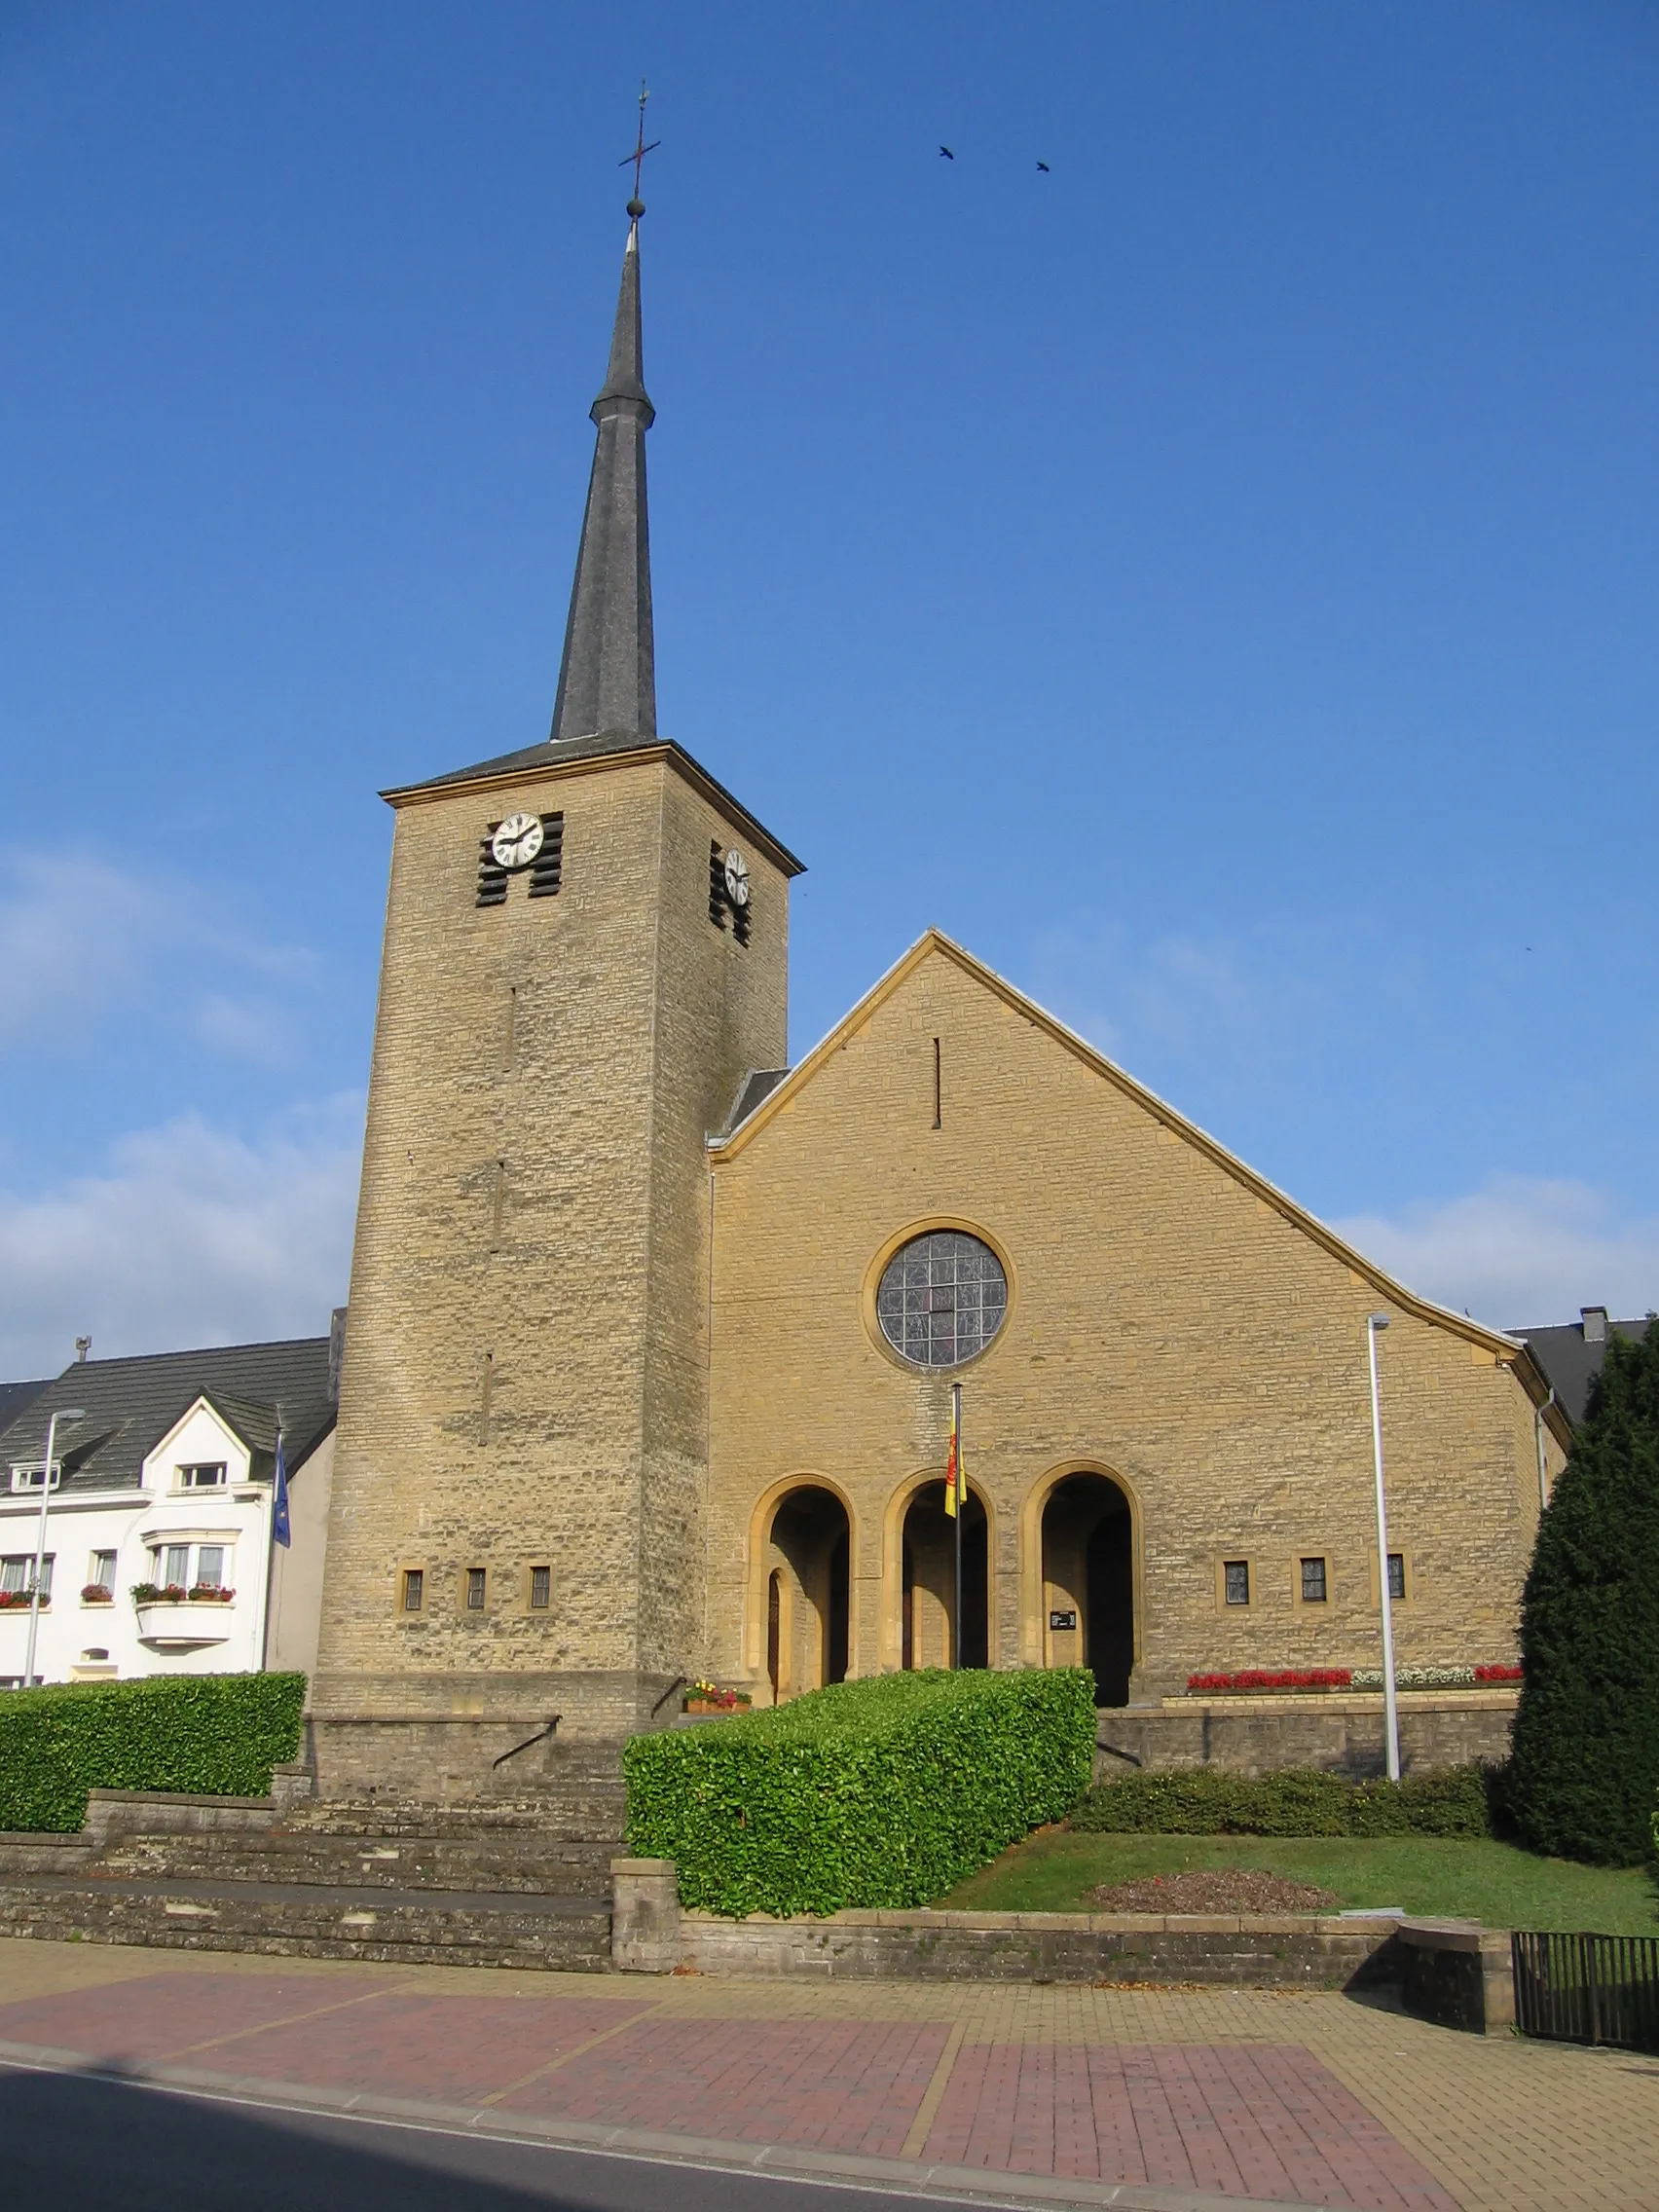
(279, 1502)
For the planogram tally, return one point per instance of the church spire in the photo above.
(608, 679)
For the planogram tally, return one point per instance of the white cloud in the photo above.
(72, 932)
(1518, 1253)
(79, 938)
(190, 1236)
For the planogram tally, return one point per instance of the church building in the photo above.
(653, 1336)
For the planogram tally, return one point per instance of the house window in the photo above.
(1313, 1582)
(210, 1568)
(1397, 1575)
(210, 1477)
(16, 1576)
(413, 1588)
(1235, 1581)
(540, 1588)
(29, 1478)
(174, 1563)
(475, 1589)
(103, 1576)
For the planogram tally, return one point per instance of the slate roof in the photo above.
(131, 1404)
(1570, 1363)
(558, 753)
(14, 1397)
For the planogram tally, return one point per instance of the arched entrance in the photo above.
(929, 1583)
(808, 1561)
(1088, 1583)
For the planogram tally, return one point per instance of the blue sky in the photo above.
(1215, 579)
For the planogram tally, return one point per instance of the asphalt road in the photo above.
(79, 2144)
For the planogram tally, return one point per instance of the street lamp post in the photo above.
(66, 1414)
(1373, 1326)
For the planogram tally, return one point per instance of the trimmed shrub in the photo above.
(1298, 1801)
(1586, 1758)
(875, 1793)
(208, 1735)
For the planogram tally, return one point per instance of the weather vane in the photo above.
(636, 206)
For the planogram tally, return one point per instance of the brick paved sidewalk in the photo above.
(1282, 2097)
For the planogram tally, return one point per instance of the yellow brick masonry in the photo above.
(1173, 1324)
(527, 1374)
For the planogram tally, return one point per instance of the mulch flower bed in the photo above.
(1216, 1889)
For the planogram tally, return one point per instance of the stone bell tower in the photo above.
(585, 956)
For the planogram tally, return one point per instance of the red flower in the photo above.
(1498, 1673)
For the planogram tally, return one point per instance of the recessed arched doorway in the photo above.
(929, 1581)
(807, 1591)
(1088, 1583)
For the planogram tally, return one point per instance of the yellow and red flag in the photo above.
(953, 1489)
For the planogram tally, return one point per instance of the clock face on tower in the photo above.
(737, 878)
(517, 841)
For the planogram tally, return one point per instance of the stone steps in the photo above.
(514, 1863)
(521, 1881)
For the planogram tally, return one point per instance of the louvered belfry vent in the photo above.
(547, 868)
(546, 871)
(492, 878)
(722, 903)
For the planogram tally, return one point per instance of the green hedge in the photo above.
(872, 1793)
(210, 1735)
(1298, 1801)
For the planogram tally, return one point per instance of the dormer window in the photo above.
(209, 1475)
(29, 1478)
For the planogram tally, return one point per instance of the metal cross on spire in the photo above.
(636, 206)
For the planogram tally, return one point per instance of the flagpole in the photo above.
(961, 1492)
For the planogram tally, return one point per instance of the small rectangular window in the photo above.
(212, 1477)
(16, 1576)
(1396, 1575)
(30, 1478)
(1237, 1575)
(1313, 1582)
(414, 1584)
(540, 1588)
(175, 1569)
(102, 1577)
(210, 1568)
(475, 1589)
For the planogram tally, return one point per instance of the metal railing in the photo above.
(1588, 1988)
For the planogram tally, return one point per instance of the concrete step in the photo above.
(432, 1927)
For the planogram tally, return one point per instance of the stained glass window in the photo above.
(943, 1298)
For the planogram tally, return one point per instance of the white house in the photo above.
(159, 1557)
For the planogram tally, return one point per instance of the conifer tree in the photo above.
(1586, 1759)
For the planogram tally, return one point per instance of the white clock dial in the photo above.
(517, 841)
(737, 878)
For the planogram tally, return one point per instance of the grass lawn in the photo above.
(1054, 1870)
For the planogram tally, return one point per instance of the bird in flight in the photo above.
(946, 152)
(1044, 167)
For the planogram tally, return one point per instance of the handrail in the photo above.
(679, 1683)
(540, 1736)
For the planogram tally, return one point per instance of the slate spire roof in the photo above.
(607, 679)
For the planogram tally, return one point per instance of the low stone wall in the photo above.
(168, 1812)
(1339, 1731)
(651, 1933)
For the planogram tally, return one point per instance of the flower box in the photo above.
(210, 1594)
(172, 1620)
(1257, 1681)
(94, 1594)
(17, 1602)
(1254, 1680)
(708, 1697)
